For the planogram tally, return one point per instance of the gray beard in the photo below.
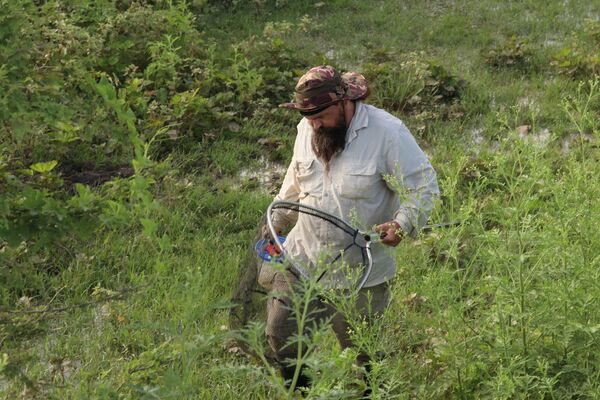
(327, 142)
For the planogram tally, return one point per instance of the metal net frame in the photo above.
(357, 238)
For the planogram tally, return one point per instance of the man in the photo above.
(357, 162)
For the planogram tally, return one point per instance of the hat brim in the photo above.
(313, 109)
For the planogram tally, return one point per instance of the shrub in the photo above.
(513, 53)
(415, 86)
(581, 59)
(576, 62)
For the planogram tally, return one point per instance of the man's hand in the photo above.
(266, 234)
(390, 233)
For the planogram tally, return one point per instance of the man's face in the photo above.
(331, 117)
(329, 128)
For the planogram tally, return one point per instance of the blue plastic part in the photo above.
(263, 254)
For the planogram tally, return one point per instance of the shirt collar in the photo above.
(359, 121)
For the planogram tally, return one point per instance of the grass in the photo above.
(502, 307)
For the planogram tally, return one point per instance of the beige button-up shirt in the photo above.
(381, 175)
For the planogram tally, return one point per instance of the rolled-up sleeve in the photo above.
(412, 177)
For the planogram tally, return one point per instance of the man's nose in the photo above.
(315, 124)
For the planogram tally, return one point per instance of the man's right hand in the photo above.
(390, 233)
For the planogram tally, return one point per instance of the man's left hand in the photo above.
(390, 233)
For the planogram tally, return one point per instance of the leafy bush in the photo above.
(276, 61)
(581, 59)
(128, 35)
(577, 62)
(414, 86)
(513, 52)
(103, 85)
(201, 117)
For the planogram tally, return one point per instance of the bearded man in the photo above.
(357, 162)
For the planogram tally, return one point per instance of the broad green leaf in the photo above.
(44, 167)
(66, 127)
(33, 200)
(64, 137)
(149, 226)
(84, 199)
(26, 171)
(3, 362)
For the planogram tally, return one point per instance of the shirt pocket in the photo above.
(358, 181)
(310, 178)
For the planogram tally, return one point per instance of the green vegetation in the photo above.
(130, 135)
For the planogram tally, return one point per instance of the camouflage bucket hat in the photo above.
(323, 86)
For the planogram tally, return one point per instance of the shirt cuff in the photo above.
(405, 224)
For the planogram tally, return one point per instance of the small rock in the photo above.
(173, 134)
(234, 127)
(101, 314)
(416, 99)
(24, 302)
(269, 142)
(64, 368)
(36, 259)
(415, 301)
(524, 102)
(523, 130)
(543, 137)
(477, 136)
